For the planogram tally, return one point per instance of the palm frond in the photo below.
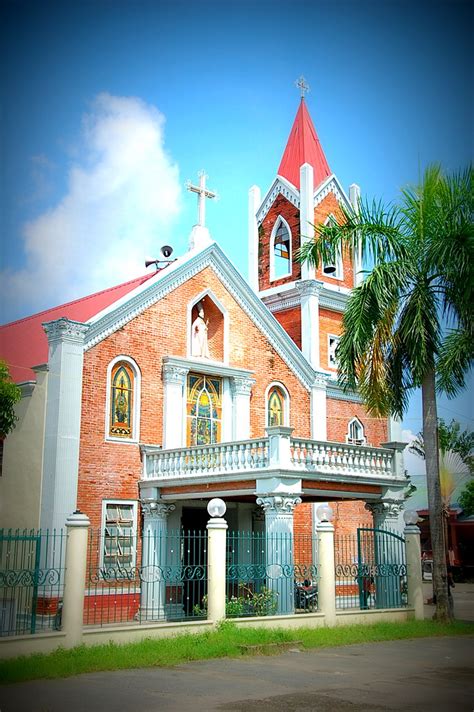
(456, 357)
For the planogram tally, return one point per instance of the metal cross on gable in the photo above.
(202, 193)
(303, 85)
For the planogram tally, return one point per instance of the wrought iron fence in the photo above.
(31, 580)
(270, 574)
(161, 576)
(370, 569)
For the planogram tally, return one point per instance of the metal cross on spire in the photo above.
(203, 193)
(303, 86)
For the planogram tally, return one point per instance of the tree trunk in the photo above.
(435, 504)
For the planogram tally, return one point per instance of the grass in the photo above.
(223, 642)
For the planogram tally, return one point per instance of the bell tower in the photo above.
(308, 302)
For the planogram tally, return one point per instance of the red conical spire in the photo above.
(303, 147)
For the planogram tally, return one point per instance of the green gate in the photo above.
(30, 580)
(381, 568)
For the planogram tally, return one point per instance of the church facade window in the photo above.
(204, 409)
(280, 250)
(123, 400)
(355, 432)
(277, 405)
(119, 529)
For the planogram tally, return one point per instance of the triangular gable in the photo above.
(178, 273)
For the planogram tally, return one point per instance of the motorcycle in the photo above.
(306, 595)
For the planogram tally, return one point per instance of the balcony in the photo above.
(262, 457)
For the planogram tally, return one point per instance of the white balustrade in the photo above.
(307, 456)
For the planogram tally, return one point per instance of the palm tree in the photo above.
(409, 324)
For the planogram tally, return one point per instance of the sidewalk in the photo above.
(463, 595)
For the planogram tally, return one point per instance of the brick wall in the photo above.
(111, 470)
(339, 414)
(290, 319)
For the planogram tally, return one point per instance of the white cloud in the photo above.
(122, 196)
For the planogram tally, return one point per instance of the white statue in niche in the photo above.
(199, 344)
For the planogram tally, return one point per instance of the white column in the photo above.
(254, 204)
(154, 558)
(309, 291)
(63, 421)
(77, 525)
(241, 391)
(327, 577)
(216, 568)
(414, 575)
(319, 410)
(306, 213)
(279, 548)
(354, 198)
(174, 381)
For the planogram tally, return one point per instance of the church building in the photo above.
(142, 402)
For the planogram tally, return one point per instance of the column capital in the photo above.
(154, 509)
(174, 374)
(309, 287)
(66, 330)
(278, 504)
(385, 509)
(241, 386)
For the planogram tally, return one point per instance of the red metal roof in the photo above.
(303, 147)
(23, 343)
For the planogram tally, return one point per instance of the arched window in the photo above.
(335, 269)
(204, 409)
(280, 246)
(123, 400)
(355, 432)
(277, 406)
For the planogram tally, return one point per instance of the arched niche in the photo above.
(208, 321)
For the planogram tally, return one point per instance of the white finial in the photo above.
(303, 86)
(203, 193)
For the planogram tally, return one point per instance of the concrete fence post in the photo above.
(216, 568)
(414, 575)
(75, 578)
(327, 577)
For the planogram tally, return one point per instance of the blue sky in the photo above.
(205, 85)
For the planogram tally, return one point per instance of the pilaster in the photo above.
(309, 291)
(174, 380)
(241, 392)
(63, 420)
(306, 213)
(319, 409)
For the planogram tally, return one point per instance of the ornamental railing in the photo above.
(31, 580)
(160, 576)
(245, 456)
(339, 458)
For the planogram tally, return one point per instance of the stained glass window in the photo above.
(276, 402)
(281, 250)
(121, 401)
(204, 407)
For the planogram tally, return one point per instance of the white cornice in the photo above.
(279, 186)
(335, 392)
(279, 299)
(166, 281)
(282, 186)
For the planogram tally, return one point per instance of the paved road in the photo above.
(431, 674)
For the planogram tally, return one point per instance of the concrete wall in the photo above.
(20, 484)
